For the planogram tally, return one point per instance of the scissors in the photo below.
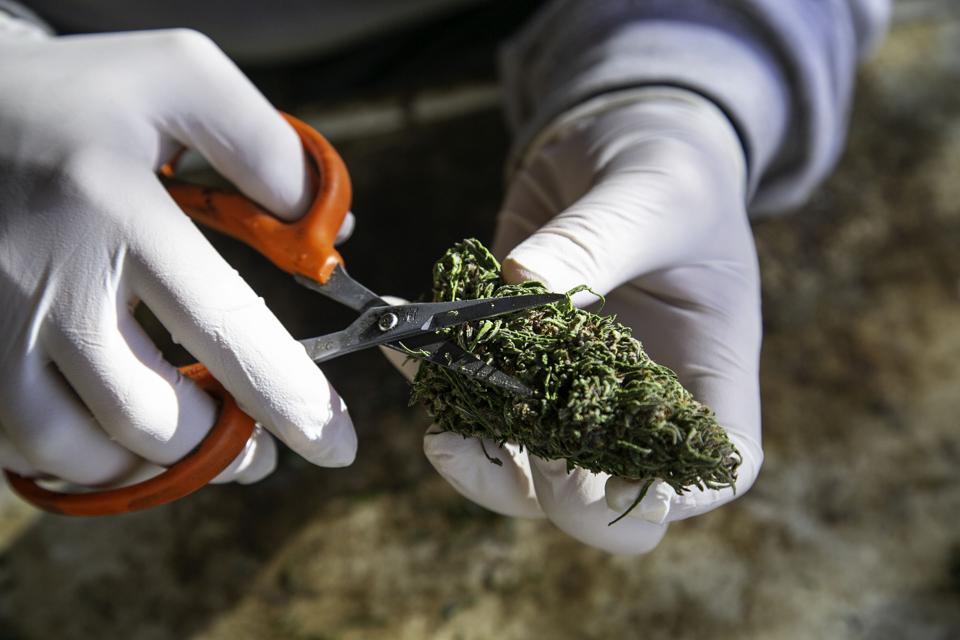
(306, 250)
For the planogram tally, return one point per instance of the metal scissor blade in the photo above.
(430, 346)
(470, 310)
(389, 323)
(425, 346)
(436, 349)
(340, 286)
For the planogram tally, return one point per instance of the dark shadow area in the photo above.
(459, 48)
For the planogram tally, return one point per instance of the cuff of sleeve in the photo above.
(781, 71)
(17, 21)
(547, 76)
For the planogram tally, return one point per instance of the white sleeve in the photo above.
(17, 21)
(782, 71)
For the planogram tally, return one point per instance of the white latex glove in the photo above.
(640, 196)
(87, 230)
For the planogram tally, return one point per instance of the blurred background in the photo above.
(850, 532)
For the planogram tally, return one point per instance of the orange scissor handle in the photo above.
(217, 450)
(303, 247)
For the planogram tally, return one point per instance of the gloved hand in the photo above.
(640, 196)
(88, 230)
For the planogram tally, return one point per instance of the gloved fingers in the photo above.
(52, 430)
(12, 459)
(219, 113)
(663, 503)
(142, 401)
(346, 229)
(706, 327)
(574, 501)
(211, 310)
(257, 460)
(628, 194)
(623, 227)
(146, 405)
(466, 463)
(136, 396)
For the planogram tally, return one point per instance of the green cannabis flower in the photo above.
(599, 401)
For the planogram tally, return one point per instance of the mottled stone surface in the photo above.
(851, 531)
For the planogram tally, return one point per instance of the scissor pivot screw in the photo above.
(388, 321)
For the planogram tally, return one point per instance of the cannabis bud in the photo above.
(599, 401)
